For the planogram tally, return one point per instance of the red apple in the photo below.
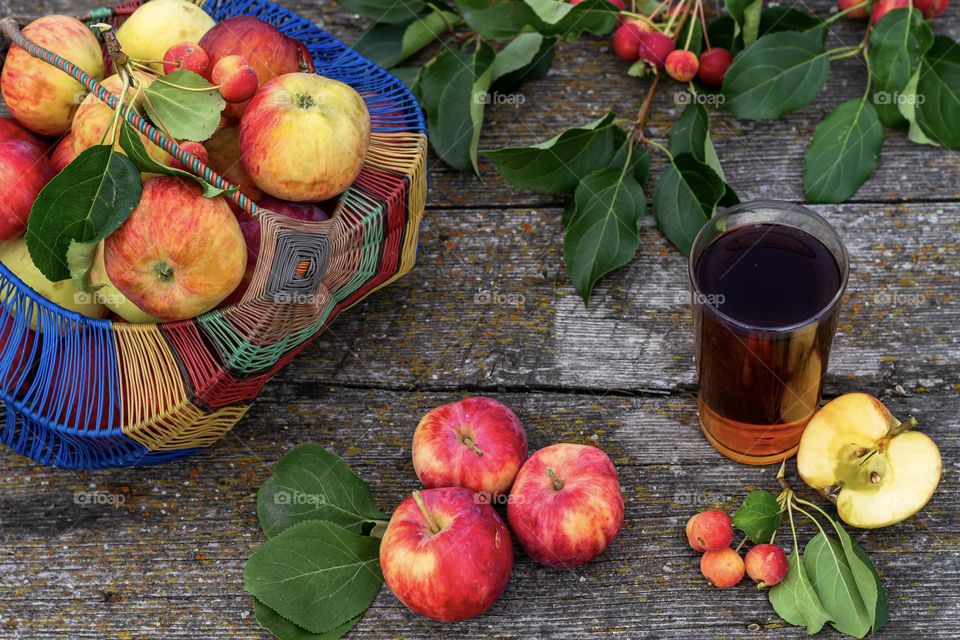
(883, 7)
(186, 55)
(10, 129)
(235, 79)
(288, 133)
(446, 555)
(39, 95)
(476, 443)
(179, 254)
(24, 171)
(149, 32)
(223, 148)
(19, 348)
(270, 53)
(63, 154)
(565, 507)
(196, 149)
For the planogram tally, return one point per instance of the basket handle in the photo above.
(10, 29)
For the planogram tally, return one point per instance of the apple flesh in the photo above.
(179, 254)
(566, 507)
(446, 555)
(15, 257)
(289, 129)
(24, 172)
(476, 443)
(149, 32)
(856, 453)
(270, 53)
(39, 95)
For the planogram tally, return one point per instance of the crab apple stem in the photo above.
(557, 482)
(742, 542)
(703, 24)
(645, 107)
(470, 444)
(431, 523)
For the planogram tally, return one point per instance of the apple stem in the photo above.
(431, 523)
(379, 528)
(470, 444)
(742, 542)
(557, 482)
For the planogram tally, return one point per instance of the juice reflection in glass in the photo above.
(767, 280)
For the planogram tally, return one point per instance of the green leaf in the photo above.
(133, 146)
(897, 45)
(311, 483)
(80, 257)
(938, 113)
(867, 579)
(779, 73)
(724, 32)
(388, 11)
(390, 44)
(283, 629)
(691, 134)
(497, 19)
(409, 76)
(568, 21)
(526, 57)
(185, 113)
(759, 516)
(907, 105)
(639, 165)
(602, 233)
(843, 153)
(686, 196)
(85, 203)
(785, 18)
(555, 166)
(453, 91)
(830, 575)
(316, 574)
(795, 599)
(746, 14)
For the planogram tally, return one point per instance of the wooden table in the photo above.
(168, 561)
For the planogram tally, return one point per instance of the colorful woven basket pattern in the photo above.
(83, 393)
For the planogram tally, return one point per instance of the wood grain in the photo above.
(489, 310)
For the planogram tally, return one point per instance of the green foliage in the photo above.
(390, 44)
(897, 45)
(686, 196)
(746, 15)
(938, 114)
(843, 153)
(179, 102)
(795, 599)
(759, 516)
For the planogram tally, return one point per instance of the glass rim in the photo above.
(843, 261)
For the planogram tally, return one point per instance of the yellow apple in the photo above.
(15, 257)
(877, 470)
(109, 296)
(39, 95)
(158, 25)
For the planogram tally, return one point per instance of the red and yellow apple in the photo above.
(476, 443)
(110, 297)
(303, 137)
(268, 51)
(189, 56)
(223, 148)
(16, 257)
(24, 172)
(94, 119)
(39, 95)
(63, 154)
(566, 507)
(446, 555)
(179, 254)
(235, 79)
(10, 129)
(149, 32)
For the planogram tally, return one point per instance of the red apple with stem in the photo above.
(186, 55)
(566, 507)
(476, 443)
(235, 79)
(446, 555)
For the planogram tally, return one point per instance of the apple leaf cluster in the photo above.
(831, 581)
(780, 64)
(320, 567)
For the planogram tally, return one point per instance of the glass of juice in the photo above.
(767, 280)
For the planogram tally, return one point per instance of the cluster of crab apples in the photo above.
(858, 9)
(711, 533)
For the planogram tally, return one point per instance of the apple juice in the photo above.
(765, 311)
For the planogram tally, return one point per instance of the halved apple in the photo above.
(876, 470)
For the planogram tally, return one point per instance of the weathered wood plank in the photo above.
(168, 562)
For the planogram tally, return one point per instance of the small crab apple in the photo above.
(860, 12)
(714, 64)
(882, 7)
(930, 8)
(236, 79)
(196, 149)
(766, 565)
(723, 568)
(626, 39)
(682, 65)
(709, 531)
(186, 55)
(654, 47)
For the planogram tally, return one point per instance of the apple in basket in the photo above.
(179, 254)
(150, 31)
(223, 149)
(289, 133)
(268, 51)
(39, 95)
(24, 171)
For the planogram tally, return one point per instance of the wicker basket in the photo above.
(84, 393)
